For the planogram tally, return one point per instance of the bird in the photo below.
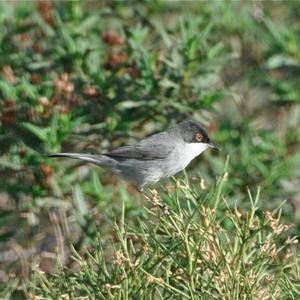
(158, 156)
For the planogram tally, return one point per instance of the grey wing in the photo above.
(157, 146)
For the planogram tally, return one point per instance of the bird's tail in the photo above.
(96, 159)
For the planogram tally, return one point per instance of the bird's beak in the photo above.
(214, 146)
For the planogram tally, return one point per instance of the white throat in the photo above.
(191, 150)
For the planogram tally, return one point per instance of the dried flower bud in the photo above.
(35, 78)
(202, 184)
(8, 73)
(291, 240)
(274, 223)
(37, 48)
(69, 87)
(31, 113)
(55, 100)
(116, 59)
(43, 101)
(112, 38)
(149, 279)
(64, 109)
(9, 112)
(46, 10)
(119, 258)
(46, 170)
(22, 151)
(65, 77)
(133, 72)
(59, 85)
(90, 91)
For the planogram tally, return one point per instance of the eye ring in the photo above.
(199, 137)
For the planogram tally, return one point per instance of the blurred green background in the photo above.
(91, 76)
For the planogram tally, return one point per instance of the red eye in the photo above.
(199, 137)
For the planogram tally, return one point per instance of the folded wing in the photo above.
(157, 146)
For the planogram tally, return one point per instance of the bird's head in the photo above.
(193, 132)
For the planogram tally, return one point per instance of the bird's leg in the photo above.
(154, 199)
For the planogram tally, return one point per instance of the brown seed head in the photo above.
(112, 38)
(9, 112)
(46, 170)
(8, 74)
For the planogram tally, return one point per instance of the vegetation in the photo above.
(195, 251)
(90, 76)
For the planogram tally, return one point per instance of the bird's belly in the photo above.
(140, 173)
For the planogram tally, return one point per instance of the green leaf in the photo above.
(279, 60)
(97, 185)
(41, 133)
(79, 200)
(10, 165)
